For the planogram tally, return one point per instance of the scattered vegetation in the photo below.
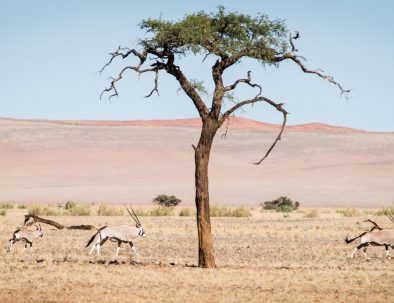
(22, 206)
(70, 210)
(312, 214)
(6, 205)
(160, 211)
(165, 200)
(70, 205)
(106, 210)
(282, 204)
(3, 212)
(187, 212)
(349, 212)
(141, 213)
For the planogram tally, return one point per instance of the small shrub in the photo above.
(105, 210)
(6, 205)
(160, 211)
(312, 214)
(165, 200)
(70, 205)
(282, 204)
(3, 212)
(187, 212)
(22, 206)
(349, 212)
(385, 210)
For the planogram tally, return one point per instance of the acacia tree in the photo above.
(229, 37)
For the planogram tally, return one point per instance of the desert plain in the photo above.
(267, 257)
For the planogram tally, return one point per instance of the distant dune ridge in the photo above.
(120, 161)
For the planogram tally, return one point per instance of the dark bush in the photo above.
(165, 200)
(282, 204)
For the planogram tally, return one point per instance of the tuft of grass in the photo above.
(220, 211)
(78, 210)
(3, 212)
(187, 212)
(141, 213)
(22, 206)
(70, 205)
(349, 212)
(106, 210)
(385, 210)
(6, 205)
(37, 210)
(241, 212)
(312, 214)
(161, 211)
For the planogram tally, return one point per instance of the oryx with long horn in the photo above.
(382, 237)
(119, 233)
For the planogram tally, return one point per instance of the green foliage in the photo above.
(187, 212)
(165, 200)
(160, 211)
(106, 210)
(220, 211)
(385, 210)
(349, 212)
(224, 34)
(6, 205)
(282, 204)
(3, 212)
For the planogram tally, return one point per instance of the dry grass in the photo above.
(262, 258)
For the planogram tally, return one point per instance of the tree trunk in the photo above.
(202, 152)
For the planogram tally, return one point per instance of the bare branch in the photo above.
(155, 89)
(247, 81)
(296, 58)
(278, 106)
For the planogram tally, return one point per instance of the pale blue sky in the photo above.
(51, 51)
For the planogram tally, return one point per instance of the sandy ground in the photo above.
(318, 165)
(265, 258)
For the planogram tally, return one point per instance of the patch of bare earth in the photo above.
(265, 258)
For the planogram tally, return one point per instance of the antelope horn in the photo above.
(136, 220)
(135, 215)
(390, 216)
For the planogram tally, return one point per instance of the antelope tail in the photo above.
(94, 236)
(347, 240)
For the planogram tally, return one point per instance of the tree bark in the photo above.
(202, 152)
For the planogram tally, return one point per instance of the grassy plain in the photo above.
(263, 258)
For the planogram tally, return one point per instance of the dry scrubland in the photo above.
(263, 258)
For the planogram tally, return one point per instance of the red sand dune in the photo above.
(118, 161)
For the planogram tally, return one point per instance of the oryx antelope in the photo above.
(119, 233)
(26, 235)
(382, 237)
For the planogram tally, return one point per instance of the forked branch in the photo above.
(297, 59)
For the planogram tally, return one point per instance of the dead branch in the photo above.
(296, 58)
(247, 81)
(53, 223)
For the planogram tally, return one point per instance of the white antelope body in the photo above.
(382, 237)
(26, 235)
(119, 233)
